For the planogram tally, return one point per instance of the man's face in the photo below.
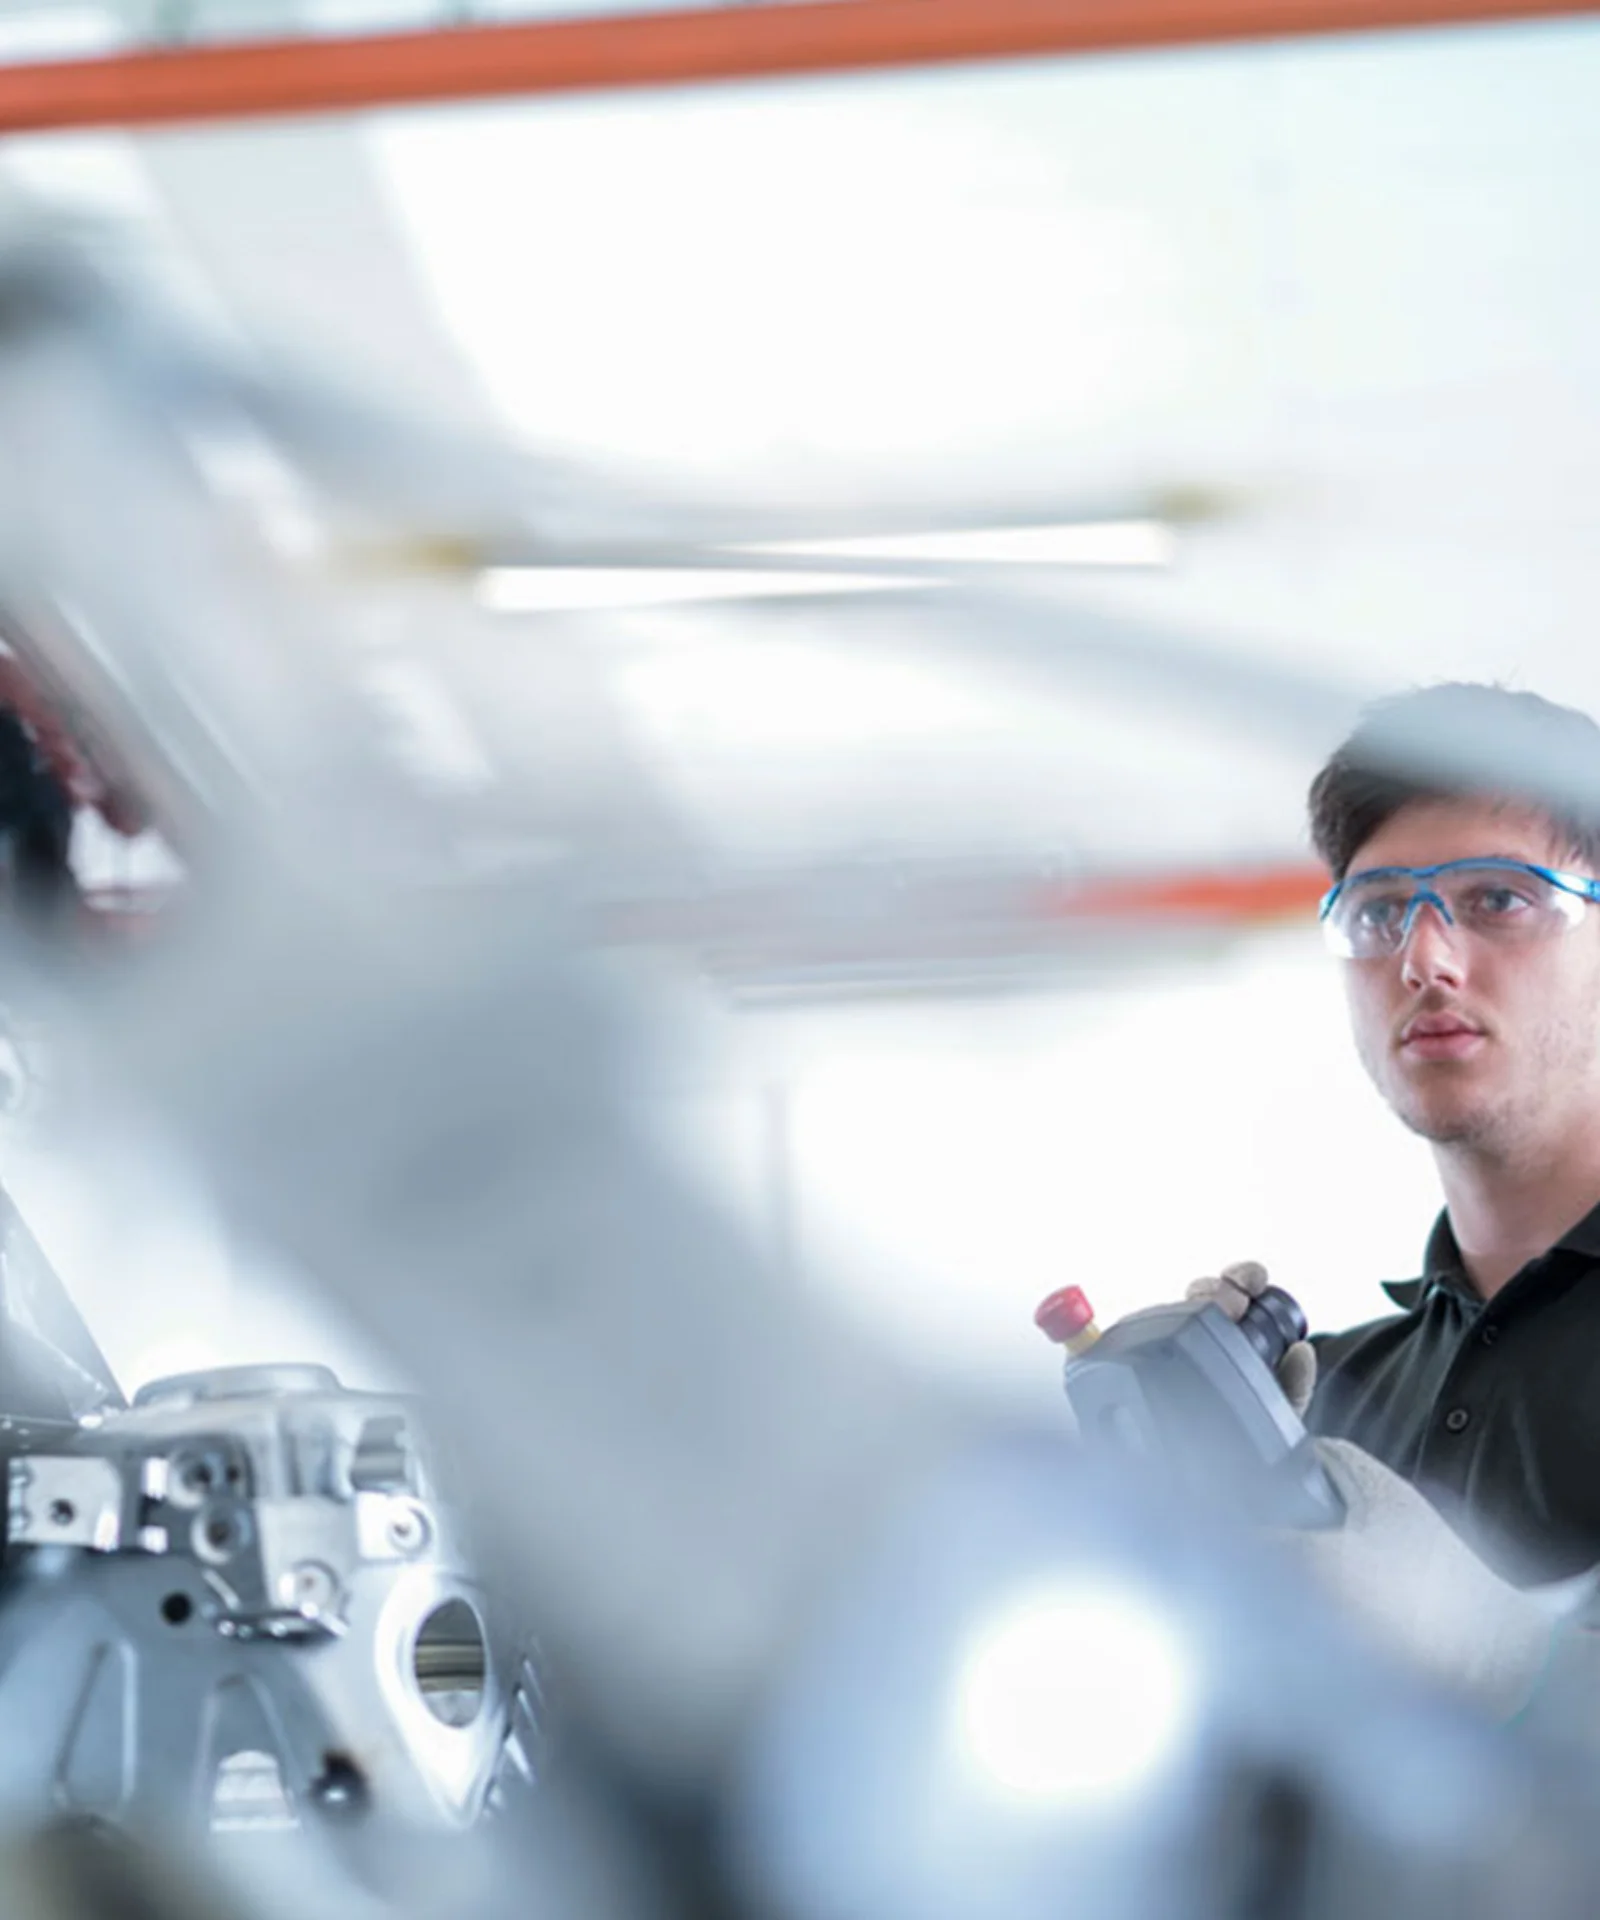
(1469, 1041)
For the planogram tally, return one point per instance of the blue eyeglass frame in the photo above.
(1581, 884)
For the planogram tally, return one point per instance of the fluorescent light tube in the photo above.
(1082, 543)
(565, 589)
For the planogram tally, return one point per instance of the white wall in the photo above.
(951, 1163)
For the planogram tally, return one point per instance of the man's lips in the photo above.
(1441, 1036)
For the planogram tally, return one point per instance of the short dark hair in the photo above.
(1459, 740)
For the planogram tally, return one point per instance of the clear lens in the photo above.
(1501, 901)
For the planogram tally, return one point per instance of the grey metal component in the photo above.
(39, 1314)
(524, 1747)
(233, 1383)
(65, 1502)
(67, 1869)
(205, 1619)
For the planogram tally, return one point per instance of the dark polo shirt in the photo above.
(1491, 1409)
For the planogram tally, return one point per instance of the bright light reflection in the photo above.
(1074, 1694)
(1084, 543)
(564, 589)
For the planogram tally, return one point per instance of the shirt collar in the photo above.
(1442, 1267)
(1585, 1236)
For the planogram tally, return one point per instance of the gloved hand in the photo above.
(1233, 1289)
(1410, 1581)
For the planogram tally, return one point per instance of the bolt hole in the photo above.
(450, 1663)
(340, 1790)
(176, 1608)
(63, 1512)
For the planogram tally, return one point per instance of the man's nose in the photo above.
(1430, 952)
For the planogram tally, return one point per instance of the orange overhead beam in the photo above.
(1236, 894)
(314, 75)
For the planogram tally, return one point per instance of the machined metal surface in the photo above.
(242, 1600)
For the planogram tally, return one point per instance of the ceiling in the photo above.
(1331, 300)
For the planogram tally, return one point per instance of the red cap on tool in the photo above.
(1064, 1314)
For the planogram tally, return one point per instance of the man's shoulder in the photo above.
(1367, 1376)
(1383, 1332)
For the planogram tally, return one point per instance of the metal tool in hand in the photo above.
(1194, 1392)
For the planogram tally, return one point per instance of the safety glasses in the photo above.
(1369, 914)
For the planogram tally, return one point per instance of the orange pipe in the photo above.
(1234, 899)
(1268, 893)
(244, 80)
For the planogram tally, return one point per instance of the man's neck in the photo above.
(1505, 1214)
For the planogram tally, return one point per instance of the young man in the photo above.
(1468, 931)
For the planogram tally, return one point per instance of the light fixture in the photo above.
(571, 589)
(1081, 543)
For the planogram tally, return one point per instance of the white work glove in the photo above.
(1233, 1289)
(1408, 1580)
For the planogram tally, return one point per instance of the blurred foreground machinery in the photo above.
(244, 1604)
(831, 1648)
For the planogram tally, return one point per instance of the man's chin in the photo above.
(1448, 1124)
(1448, 1107)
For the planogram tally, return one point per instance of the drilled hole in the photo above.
(450, 1662)
(176, 1608)
(340, 1790)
